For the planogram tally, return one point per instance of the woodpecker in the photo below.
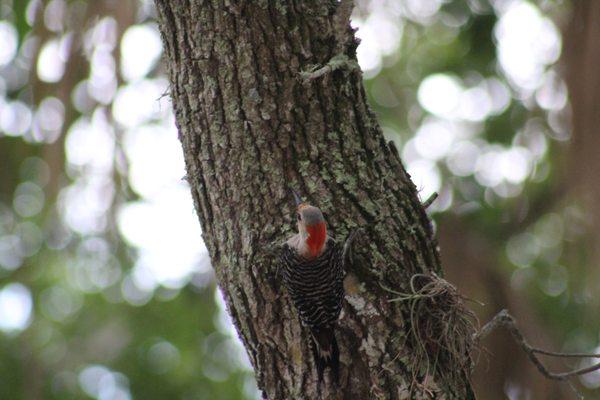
(313, 266)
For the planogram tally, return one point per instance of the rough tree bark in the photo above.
(251, 128)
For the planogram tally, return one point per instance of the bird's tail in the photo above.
(325, 351)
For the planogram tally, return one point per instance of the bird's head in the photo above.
(311, 226)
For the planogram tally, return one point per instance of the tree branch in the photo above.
(505, 320)
(341, 20)
(427, 203)
(337, 62)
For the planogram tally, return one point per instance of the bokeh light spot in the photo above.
(15, 307)
(8, 45)
(141, 48)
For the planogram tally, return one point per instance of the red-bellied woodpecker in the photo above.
(313, 267)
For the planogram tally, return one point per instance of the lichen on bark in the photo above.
(251, 127)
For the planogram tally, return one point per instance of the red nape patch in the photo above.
(317, 234)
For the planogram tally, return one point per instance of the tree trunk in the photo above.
(471, 261)
(251, 128)
(581, 59)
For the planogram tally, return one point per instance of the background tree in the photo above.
(90, 290)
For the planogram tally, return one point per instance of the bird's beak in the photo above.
(297, 198)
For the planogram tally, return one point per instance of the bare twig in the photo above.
(164, 94)
(337, 62)
(341, 20)
(505, 320)
(430, 200)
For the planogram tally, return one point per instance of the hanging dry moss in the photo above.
(442, 328)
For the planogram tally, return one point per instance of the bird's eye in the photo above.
(298, 216)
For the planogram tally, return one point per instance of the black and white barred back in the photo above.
(317, 291)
